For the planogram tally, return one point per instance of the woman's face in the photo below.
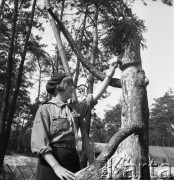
(69, 91)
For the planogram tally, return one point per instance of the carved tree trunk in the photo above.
(133, 151)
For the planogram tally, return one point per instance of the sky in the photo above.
(157, 59)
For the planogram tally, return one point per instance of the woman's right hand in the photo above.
(62, 173)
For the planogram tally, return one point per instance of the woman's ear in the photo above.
(56, 90)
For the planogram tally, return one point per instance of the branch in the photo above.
(116, 139)
(114, 82)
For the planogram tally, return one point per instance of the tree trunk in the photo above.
(134, 150)
(20, 136)
(1, 9)
(90, 79)
(12, 105)
(6, 94)
(39, 80)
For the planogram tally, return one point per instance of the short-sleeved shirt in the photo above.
(56, 121)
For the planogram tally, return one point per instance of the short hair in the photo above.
(63, 84)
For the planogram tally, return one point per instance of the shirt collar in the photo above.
(58, 102)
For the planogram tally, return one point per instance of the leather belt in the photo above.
(64, 145)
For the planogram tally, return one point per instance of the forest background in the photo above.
(158, 68)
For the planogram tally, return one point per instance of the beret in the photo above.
(51, 84)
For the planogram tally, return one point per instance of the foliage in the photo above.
(161, 124)
(122, 32)
(103, 130)
(112, 120)
(98, 131)
(145, 2)
(121, 29)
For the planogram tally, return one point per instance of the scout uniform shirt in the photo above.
(56, 121)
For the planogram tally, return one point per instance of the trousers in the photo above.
(68, 158)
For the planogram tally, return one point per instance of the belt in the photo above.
(64, 145)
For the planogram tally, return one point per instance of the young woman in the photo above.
(55, 128)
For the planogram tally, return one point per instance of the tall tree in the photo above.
(161, 124)
(16, 58)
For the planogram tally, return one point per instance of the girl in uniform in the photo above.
(55, 127)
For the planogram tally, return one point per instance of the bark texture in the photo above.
(133, 151)
(127, 151)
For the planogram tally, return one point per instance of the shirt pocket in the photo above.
(60, 124)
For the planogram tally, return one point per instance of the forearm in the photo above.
(50, 159)
(102, 88)
(59, 170)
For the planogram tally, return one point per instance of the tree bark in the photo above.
(134, 150)
(90, 80)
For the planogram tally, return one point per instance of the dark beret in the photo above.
(51, 84)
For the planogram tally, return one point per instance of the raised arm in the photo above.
(106, 81)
